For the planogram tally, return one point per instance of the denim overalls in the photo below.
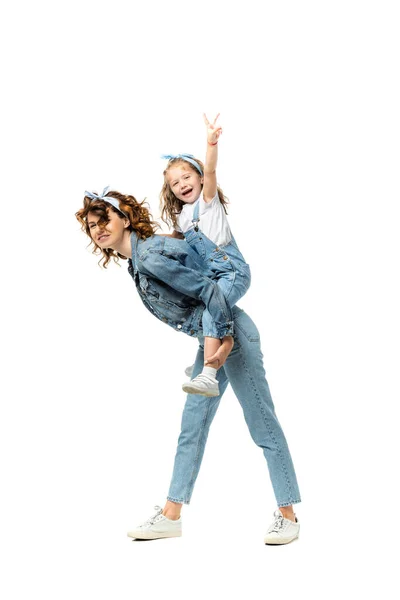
(175, 285)
(232, 273)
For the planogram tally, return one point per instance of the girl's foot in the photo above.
(203, 384)
(189, 370)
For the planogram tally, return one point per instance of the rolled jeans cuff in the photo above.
(218, 332)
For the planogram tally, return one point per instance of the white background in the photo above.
(92, 94)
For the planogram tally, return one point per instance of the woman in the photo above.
(176, 287)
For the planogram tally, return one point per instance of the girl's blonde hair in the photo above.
(169, 204)
(138, 214)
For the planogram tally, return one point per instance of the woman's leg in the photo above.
(244, 367)
(197, 417)
(172, 510)
(245, 370)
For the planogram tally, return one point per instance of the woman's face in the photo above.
(110, 234)
(185, 183)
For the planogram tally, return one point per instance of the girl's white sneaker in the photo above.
(189, 371)
(156, 527)
(203, 384)
(282, 531)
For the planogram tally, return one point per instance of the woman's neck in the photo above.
(124, 246)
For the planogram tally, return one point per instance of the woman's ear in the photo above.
(126, 223)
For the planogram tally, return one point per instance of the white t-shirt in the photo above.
(213, 222)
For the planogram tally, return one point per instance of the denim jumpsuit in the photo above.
(175, 285)
(226, 263)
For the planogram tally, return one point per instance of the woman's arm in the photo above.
(189, 280)
(210, 165)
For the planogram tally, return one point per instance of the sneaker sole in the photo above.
(280, 542)
(153, 536)
(190, 389)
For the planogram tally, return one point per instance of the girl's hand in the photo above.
(213, 130)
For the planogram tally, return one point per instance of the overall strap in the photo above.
(196, 218)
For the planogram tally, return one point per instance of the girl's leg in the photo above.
(233, 285)
(211, 345)
(206, 382)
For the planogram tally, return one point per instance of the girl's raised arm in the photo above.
(210, 165)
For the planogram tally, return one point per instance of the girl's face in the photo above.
(185, 183)
(110, 234)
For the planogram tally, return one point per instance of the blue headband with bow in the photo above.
(113, 201)
(187, 157)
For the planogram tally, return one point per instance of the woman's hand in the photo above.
(213, 130)
(222, 353)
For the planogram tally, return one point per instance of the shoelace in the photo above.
(277, 525)
(152, 519)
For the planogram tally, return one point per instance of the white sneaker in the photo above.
(157, 527)
(282, 531)
(189, 370)
(204, 385)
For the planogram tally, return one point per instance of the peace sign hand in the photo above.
(213, 130)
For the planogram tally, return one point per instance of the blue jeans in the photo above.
(244, 370)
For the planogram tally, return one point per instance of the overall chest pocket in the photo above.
(197, 243)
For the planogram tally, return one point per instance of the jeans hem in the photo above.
(219, 333)
(288, 503)
(178, 501)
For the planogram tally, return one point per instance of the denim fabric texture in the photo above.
(174, 285)
(244, 370)
(229, 268)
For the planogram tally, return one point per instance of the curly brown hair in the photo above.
(170, 206)
(139, 217)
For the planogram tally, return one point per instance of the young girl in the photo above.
(194, 205)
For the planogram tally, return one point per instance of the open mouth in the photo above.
(187, 192)
(102, 237)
